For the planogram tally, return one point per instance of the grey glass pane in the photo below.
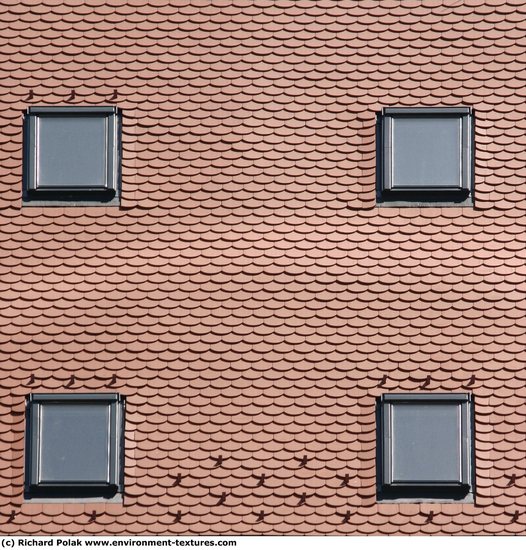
(426, 442)
(71, 151)
(427, 152)
(74, 442)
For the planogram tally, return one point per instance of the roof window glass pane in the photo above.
(72, 151)
(427, 152)
(427, 442)
(75, 442)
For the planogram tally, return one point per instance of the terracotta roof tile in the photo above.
(249, 298)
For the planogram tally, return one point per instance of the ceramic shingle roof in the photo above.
(249, 298)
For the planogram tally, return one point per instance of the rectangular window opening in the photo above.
(74, 446)
(425, 444)
(425, 156)
(72, 155)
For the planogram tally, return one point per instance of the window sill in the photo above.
(466, 500)
(421, 199)
(468, 203)
(61, 203)
(116, 499)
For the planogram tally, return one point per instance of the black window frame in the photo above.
(389, 488)
(36, 487)
(390, 194)
(106, 193)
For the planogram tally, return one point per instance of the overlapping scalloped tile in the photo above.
(249, 298)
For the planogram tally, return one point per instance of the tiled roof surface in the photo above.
(249, 298)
